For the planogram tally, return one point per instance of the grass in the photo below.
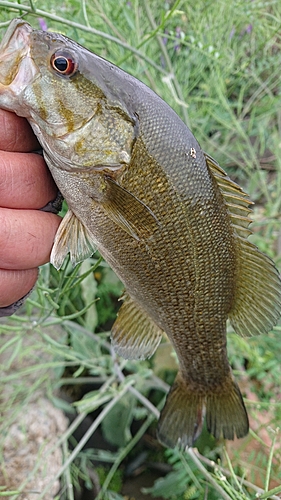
(217, 65)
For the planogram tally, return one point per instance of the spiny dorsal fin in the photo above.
(257, 302)
(71, 237)
(236, 200)
(233, 194)
(134, 335)
(128, 212)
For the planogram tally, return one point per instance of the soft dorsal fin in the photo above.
(134, 334)
(71, 237)
(257, 303)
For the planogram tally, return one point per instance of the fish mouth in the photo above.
(17, 69)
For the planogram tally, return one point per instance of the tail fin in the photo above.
(182, 417)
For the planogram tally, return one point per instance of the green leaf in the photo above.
(171, 486)
(122, 413)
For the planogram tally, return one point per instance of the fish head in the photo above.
(64, 91)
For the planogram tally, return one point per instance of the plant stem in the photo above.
(179, 94)
(124, 452)
(69, 485)
(270, 494)
(233, 475)
(88, 29)
(134, 391)
(207, 475)
(269, 465)
(244, 482)
(84, 440)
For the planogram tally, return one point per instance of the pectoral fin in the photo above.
(134, 334)
(72, 237)
(128, 212)
(54, 206)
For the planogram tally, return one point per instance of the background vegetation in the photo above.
(218, 65)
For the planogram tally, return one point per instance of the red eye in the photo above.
(64, 63)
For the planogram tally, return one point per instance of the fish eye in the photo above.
(64, 63)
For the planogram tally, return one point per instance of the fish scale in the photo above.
(175, 325)
(160, 210)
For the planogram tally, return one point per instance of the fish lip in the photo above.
(17, 69)
(16, 36)
(13, 26)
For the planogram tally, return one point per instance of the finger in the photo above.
(26, 237)
(16, 133)
(25, 181)
(15, 284)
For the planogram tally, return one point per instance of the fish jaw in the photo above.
(17, 69)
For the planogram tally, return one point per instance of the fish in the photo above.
(162, 212)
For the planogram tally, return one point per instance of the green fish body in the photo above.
(164, 215)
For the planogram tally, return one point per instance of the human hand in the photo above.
(26, 233)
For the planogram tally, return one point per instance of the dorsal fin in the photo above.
(257, 303)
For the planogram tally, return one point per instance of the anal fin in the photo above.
(134, 334)
(71, 237)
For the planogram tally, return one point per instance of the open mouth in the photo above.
(17, 69)
(13, 48)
